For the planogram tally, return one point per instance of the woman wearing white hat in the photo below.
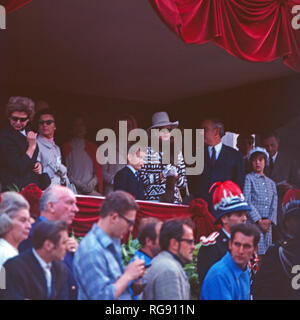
(155, 173)
(261, 194)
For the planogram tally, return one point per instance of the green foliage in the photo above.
(191, 271)
(13, 187)
(129, 249)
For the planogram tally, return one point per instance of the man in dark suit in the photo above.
(39, 274)
(221, 162)
(127, 179)
(58, 203)
(282, 170)
(19, 149)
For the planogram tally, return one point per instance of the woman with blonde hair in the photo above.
(14, 224)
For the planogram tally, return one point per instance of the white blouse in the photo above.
(7, 251)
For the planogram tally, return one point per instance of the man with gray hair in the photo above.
(221, 162)
(58, 203)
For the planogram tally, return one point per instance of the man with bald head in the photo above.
(58, 203)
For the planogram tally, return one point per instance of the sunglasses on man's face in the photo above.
(47, 122)
(16, 119)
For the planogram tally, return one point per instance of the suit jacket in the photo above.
(210, 253)
(25, 279)
(15, 165)
(284, 169)
(166, 279)
(68, 260)
(228, 166)
(126, 180)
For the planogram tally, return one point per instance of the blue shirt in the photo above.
(141, 255)
(98, 265)
(225, 280)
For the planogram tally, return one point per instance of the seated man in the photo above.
(166, 278)
(127, 179)
(229, 278)
(39, 274)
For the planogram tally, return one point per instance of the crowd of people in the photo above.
(252, 193)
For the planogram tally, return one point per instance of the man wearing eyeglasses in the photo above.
(97, 263)
(18, 148)
(166, 278)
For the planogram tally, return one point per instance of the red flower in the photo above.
(32, 193)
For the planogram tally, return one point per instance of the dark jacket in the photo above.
(274, 279)
(68, 261)
(228, 166)
(25, 279)
(126, 180)
(211, 252)
(15, 165)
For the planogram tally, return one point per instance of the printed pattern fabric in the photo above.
(150, 174)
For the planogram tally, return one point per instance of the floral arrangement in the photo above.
(32, 193)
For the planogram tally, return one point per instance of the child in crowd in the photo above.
(127, 179)
(261, 194)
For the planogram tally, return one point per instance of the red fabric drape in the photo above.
(11, 5)
(89, 214)
(254, 30)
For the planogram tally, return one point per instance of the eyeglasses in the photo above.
(48, 122)
(16, 119)
(189, 241)
(130, 222)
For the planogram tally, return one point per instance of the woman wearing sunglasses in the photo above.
(49, 151)
(18, 148)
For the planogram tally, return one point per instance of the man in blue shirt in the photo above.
(229, 278)
(98, 266)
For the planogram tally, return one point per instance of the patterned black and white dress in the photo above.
(150, 174)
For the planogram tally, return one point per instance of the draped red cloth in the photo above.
(11, 5)
(89, 214)
(254, 30)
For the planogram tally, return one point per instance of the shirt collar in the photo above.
(275, 156)
(226, 233)
(43, 264)
(23, 132)
(131, 168)
(104, 239)
(234, 267)
(217, 147)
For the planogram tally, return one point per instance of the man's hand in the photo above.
(135, 269)
(72, 244)
(264, 225)
(37, 168)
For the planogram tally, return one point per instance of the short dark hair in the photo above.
(172, 229)
(257, 154)
(118, 201)
(247, 229)
(270, 134)
(147, 229)
(48, 230)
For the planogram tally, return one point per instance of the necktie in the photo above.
(213, 156)
(271, 165)
(137, 176)
(48, 279)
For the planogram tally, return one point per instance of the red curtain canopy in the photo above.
(11, 5)
(254, 30)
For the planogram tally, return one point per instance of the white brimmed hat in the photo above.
(258, 150)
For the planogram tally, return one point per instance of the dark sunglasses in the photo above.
(16, 119)
(130, 222)
(189, 241)
(48, 122)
